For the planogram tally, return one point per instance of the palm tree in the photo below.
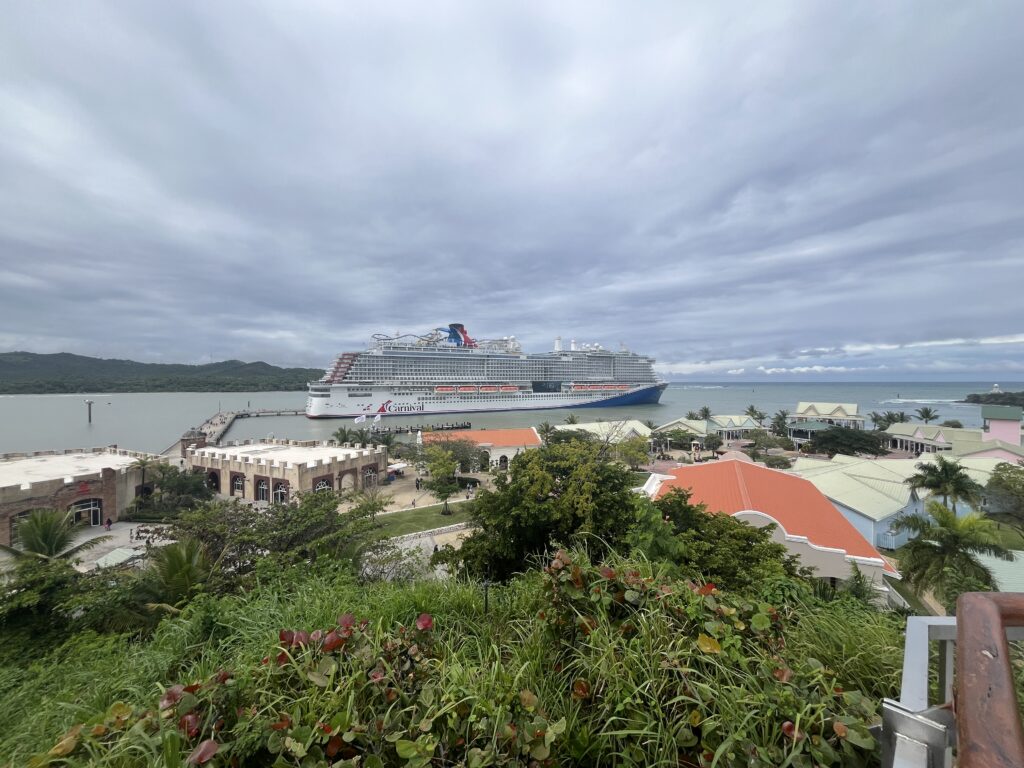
(343, 435)
(175, 573)
(896, 417)
(48, 534)
(878, 420)
(143, 463)
(780, 422)
(649, 423)
(545, 430)
(947, 478)
(755, 414)
(571, 419)
(947, 544)
(927, 414)
(361, 435)
(692, 415)
(704, 413)
(387, 439)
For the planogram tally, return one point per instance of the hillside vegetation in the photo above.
(29, 373)
(997, 398)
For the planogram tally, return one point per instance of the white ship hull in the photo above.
(345, 401)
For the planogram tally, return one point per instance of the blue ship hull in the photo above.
(649, 396)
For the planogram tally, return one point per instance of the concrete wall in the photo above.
(827, 563)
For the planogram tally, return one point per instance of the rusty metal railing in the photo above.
(918, 732)
(989, 732)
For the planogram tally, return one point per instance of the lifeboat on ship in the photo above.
(444, 390)
(467, 390)
(488, 388)
(509, 389)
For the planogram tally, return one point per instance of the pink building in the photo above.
(1001, 422)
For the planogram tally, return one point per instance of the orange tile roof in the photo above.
(498, 438)
(795, 504)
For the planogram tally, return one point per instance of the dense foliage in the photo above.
(605, 664)
(851, 442)
(549, 495)
(29, 373)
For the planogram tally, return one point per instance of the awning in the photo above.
(396, 467)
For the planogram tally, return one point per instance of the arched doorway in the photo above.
(280, 493)
(369, 477)
(238, 486)
(503, 462)
(347, 481)
(213, 481)
(262, 490)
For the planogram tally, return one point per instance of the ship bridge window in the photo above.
(319, 394)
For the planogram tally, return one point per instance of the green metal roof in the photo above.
(809, 426)
(1009, 574)
(1002, 412)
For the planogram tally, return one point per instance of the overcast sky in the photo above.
(761, 190)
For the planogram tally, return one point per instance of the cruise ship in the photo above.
(447, 371)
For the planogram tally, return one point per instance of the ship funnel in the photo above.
(572, 345)
(558, 343)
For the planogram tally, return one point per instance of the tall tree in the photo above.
(1005, 489)
(571, 419)
(878, 420)
(442, 483)
(757, 415)
(692, 415)
(780, 423)
(49, 534)
(927, 414)
(175, 573)
(947, 479)
(142, 464)
(549, 495)
(342, 435)
(947, 544)
(704, 412)
(849, 442)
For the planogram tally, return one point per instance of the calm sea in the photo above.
(151, 422)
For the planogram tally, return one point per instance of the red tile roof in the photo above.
(498, 438)
(795, 504)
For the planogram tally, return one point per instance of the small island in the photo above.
(996, 397)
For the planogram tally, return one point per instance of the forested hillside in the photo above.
(26, 373)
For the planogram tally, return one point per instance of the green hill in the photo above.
(29, 373)
(997, 398)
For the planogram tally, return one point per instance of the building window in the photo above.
(280, 493)
(262, 491)
(238, 485)
(369, 478)
(322, 485)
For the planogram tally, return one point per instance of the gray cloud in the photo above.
(776, 190)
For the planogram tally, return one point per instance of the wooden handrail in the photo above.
(989, 731)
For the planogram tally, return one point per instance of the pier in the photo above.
(214, 428)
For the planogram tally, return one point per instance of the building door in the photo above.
(88, 509)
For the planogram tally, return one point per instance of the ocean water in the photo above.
(153, 421)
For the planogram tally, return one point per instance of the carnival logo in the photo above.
(402, 407)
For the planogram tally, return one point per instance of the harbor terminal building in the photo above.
(274, 470)
(92, 484)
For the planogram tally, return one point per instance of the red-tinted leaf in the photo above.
(607, 573)
(425, 622)
(325, 727)
(286, 636)
(283, 722)
(707, 589)
(840, 729)
(193, 688)
(333, 745)
(783, 674)
(316, 636)
(577, 577)
(346, 620)
(282, 658)
(223, 676)
(189, 725)
(557, 565)
(265, 660)
(332, 642)
(301, 639)
(376, 675)
(204, 752)
(171, 696)
(580, 689)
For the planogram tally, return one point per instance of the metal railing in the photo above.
(979, 716)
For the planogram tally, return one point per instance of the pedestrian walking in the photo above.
(107, 524)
